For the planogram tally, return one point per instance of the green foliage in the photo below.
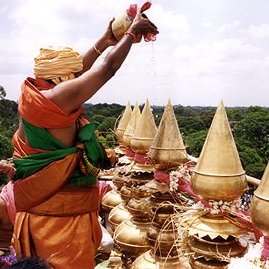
(250, 127)
(253, 130)
(189, 124)
(251, 161)
(195, 142)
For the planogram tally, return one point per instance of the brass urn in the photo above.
(130, 129)
(110, 200)
(130, 240)
(167, 149)
(144, 132)
(118, 215)
(123, 122)
(259, 208)
(218, 174)
(213, 240)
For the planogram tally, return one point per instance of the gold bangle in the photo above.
(97, 50)
(131, 35)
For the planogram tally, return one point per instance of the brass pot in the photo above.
(110, 200)
(124, 120)
(259, 205)
(218, 187)
(140, 145)
(218, 174)
(163, 240)
(117, 215)
(126, 193)
(259, 210)
(162, 214)
(145, 131)
(143, 192)
(149, 261)
(161, 200)
(202, 263)
(130, 238)
(214, 226)
(139, 208)
(118, 180)
(165, 159)
(211, 249)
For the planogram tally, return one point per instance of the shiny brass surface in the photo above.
(202, 263)
(259, 208)
(118, 180)
(218, 174)
(163, 240)
(160, 199)
(167, 149)
(140, 208)
(143, 191)
(126, 193)
(162, 214)
(129, 132)
(214, 187)
(214, 226)
(145, 131)
(150, 261)
(110, 200)
(130, 238)
(215, 249)
(123, 122)
(117, 215)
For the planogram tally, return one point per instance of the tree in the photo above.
(253, 129)
(195, 142)
(2, 93)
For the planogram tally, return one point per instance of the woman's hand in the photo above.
(142, 26)
(7, 168)
(108, 35)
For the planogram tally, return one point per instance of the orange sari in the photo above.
(56, 223)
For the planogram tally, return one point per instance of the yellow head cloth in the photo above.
(57, 62)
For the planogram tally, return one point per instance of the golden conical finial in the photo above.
(218, 174)
(130, 129)
(123, 122)
(168, 149)
(145, 131)
(259, 208)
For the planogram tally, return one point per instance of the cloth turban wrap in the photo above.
(57, 63)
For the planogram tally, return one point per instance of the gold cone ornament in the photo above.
(168, 149)
(131, 126)
(259, 208)
(123, 122)
(145, 131)
(219, 175)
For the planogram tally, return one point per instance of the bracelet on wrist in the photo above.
(97, 50)
(133, 37)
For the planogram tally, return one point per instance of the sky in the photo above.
(206, 51)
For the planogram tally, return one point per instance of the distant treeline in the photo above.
(250, 127)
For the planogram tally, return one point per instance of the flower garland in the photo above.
(182, 173)
(235, 211)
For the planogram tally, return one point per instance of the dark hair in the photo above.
(30, 263)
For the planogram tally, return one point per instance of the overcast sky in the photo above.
(207, 50)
